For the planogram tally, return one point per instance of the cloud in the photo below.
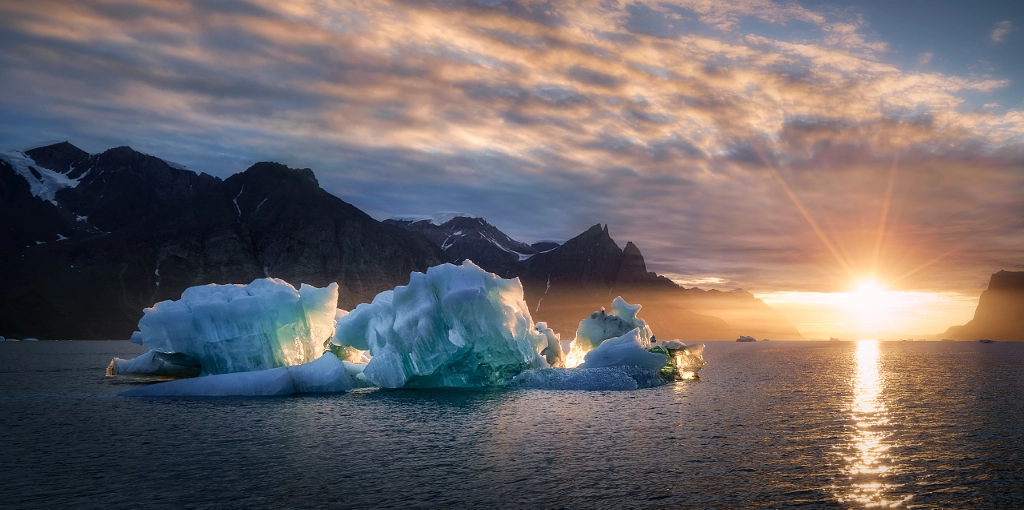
(925, 58)
(1000, 31)
(661, 118)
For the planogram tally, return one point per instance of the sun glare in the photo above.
(869, 306)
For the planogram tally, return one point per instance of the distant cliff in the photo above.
(1000, 312)
(89, 240)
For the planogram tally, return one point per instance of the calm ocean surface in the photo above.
(819, 424)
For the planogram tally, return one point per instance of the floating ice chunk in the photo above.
(600, 325)
(324, 375)
(626, 350)
(240, 328)
(621, 378)
(685, 358)
(552, 353)
(153, 363)
(455, 326)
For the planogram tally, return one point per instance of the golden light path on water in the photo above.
(871, 463)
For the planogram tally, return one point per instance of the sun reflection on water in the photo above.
(870, 462)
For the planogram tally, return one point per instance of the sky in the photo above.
(792, 149)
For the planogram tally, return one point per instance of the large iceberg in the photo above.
(241, 328)
(454, 326)
(327, 374)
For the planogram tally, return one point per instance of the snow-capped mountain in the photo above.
(462, 237)
(89, 240)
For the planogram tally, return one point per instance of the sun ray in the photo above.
(807, 216)
(921, 267)
(884, 216)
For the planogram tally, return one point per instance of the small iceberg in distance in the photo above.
(745, 338)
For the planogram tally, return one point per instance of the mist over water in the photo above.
(842, 424)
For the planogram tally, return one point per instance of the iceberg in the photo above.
(626, 350)
(620, 364)
(326, 374)
(601, 325)
(453, 326)
(156, 364)
(616, 378)
(239, 328)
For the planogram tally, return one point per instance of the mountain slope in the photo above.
(465, 237)
(139, 230)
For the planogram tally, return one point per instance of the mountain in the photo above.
(588, 271)
(90, 240)
(1000, 312)
(565, 282)
(465, 237)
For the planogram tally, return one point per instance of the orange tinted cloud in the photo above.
(661, 118)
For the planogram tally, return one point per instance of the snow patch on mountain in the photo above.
(43, 182)
(438, 218)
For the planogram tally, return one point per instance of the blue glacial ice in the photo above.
(601, 325)
(626, 350)
(616, 378)
(156, 364)
(242, 328)
(326, 374)
(453, 326)
(617, 364)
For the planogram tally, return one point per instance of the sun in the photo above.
(868, 306)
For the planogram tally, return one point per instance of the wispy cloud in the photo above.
(662, 118)
(1000, 31)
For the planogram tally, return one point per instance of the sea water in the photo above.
(768, 424)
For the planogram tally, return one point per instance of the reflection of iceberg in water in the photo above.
(870, 467)
(452, 327)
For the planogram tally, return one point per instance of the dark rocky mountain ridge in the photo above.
(464, 237)
(1000, 312)
(133, 230)
(89, 240)
(564, 283)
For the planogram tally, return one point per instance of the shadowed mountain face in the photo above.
(1000, 312)
(564, 283)
(124, 230)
